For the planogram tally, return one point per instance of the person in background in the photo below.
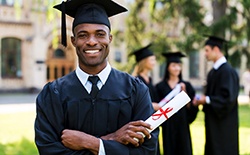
(145, 62)
(246, 82)
(95, 109)
(220, 102)
(175, 131)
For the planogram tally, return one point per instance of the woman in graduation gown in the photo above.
(175, 131)
(145, 62)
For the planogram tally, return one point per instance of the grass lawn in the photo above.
(17, 133)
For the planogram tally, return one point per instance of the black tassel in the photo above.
(64, 29)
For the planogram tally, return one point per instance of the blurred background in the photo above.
(31, 54)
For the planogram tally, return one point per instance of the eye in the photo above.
(100, 34)
(82, 35)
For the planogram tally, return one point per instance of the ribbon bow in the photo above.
(164, 113)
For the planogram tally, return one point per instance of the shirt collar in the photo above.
(103, 75)
(219, 62)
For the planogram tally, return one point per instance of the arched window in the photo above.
(58, 53)
(11, 58)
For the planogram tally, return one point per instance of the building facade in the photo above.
(31, 54)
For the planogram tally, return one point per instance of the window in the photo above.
(10, 2)
(194, 64)
(58, 53)
(11, 58)
(118, 56)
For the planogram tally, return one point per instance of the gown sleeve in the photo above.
(49, 123)
(142, 110)
(191, 109)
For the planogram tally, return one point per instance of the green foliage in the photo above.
(244, 113)
(23, 147)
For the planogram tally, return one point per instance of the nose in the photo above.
(92, 41)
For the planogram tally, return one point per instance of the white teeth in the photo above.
(92, 51)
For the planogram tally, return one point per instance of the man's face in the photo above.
(92, 44)
(210, 53)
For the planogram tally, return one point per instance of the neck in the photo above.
(93, 70)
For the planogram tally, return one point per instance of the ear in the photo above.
(73, 41)
(110, 38)
(217, 49)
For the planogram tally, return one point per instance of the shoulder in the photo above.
(62, 82)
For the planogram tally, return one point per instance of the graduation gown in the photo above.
(151, 87)
(221, 115)
(65, 104)
(175, 131)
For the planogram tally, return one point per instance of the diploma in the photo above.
(170, 95)
(167, 111)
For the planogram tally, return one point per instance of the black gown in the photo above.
(152, 89)
(65, 104)
(175, 131)
(221, 115)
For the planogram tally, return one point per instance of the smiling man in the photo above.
(95, 109)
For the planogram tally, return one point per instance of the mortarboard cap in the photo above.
(142, 53)
(216, 41)
(88, 11)
(173, 56)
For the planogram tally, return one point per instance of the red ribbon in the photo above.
(164, 113)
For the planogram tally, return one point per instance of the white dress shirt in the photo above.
(103, 76)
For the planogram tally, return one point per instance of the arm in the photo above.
(192, 110)
(49, 124)
(225, 98)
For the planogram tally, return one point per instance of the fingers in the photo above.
(137, 131)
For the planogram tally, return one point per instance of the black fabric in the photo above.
(152, 90)
(221, 115)
(175, 131)
(94, 88)
(66, 104)
(173, 56)
(142, 53)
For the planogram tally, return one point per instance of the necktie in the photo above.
(94, 89)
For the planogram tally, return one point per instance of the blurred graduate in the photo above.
(220, 102)
(145, 63)
(175, 131)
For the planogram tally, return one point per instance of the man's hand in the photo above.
(77, 140)
(129, 133)
(199, 100)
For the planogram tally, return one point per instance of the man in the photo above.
(220, 103)
(95, 109)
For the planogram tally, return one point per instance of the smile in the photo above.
(92, 51)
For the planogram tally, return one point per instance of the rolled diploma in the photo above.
(173, 106)
(170, 95)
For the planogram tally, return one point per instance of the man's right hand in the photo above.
(129, 133)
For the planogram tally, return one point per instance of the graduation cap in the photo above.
(216, 41)
(142, 53)
(173, 56)
(88, 11)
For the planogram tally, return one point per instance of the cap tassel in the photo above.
(63, 29)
